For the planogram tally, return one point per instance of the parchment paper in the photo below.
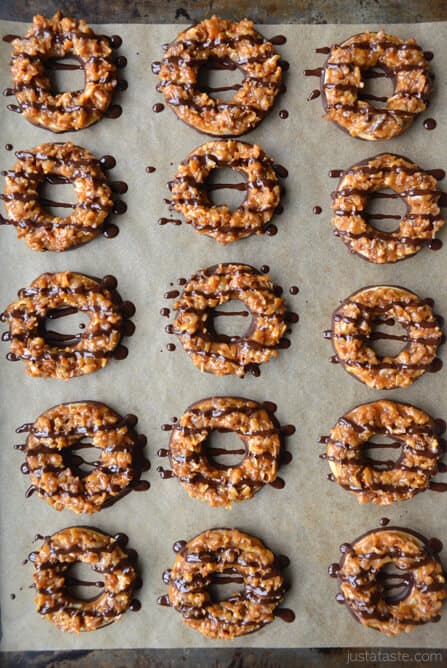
(310, 517)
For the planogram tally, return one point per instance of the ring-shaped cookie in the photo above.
(61, 163)
(379, 481)
(47, 354)
(363, 583)
(52, 465)
(190, 197)
(416, 228)
(217, 353)
(106, 556)
(220, 551)
(232, 45)
(61, 37)
(342, 80)
(217, 484)
(352, 331)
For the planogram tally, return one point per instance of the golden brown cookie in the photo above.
(50, 354)
(201, 561)
(61, 37)
(61, 163)
(110, 561)
(229, 45)
(342, 81)
(219, 485)
(384, 481)
(415, 229)
(391, 603)
(53, 461)
(352, 332)
(189, 194)
(221, 354)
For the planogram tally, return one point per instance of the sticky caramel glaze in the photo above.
(243, 558)
(415, 187)
(190, 191)
(342, 80)
(352, 331)
(366, 589)
(54, 38)
(56, 163)
(190, 458)
(217, 353)
(53, 462)
(47, 354)
(225, 45)
(106, 555)
(410, 430)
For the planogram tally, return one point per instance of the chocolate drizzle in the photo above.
(209, 334)
(313, 95)
(52, 568)
(228, 565)
(38, 99)
(209, 452)
(41, 443)
(429, 124)
(107, 162)
(374, 315)
(198, 191)
(380, 587)
(57, 345)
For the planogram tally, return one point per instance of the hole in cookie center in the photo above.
(81, 458)
(395, 584)
(224, 449)
(226, 186)
(65, 74)
(83, 583)
(61, 323)
(384, 210)
(388, 337)
(220, 78)
(231, 319)
(378, 87)
(225, 585)
(57, 196)
(382, 451)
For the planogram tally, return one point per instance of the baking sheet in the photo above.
(310, 517)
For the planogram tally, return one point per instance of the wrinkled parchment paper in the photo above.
(310, 517)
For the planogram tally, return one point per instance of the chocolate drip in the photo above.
(285, 614)
(106, 162)
(278, 40)
(313, 73)
(114, 111)
(164, 601)
(429, 124)
(437, 486)
(179, 545)
(165, 221)
(313, 95)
